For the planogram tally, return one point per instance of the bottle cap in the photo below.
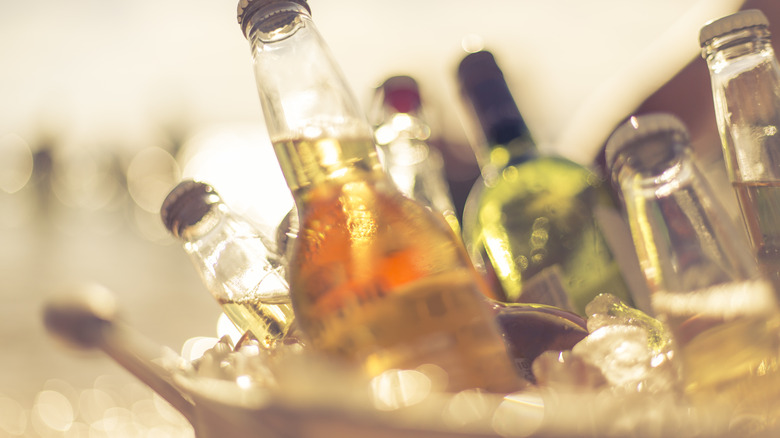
(639, 128)
(248, 7)
(187, 205)
(484, 87)
(740, 20)
(402, 94)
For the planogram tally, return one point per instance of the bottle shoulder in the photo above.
(542, 176)
(556, 162)
(369, 211)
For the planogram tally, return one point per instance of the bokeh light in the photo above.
(151, 175)
(52, 411)
(520, 414)
(239, 162)
(13, 417)
(84, 177)
(194, 348)
(16, 163)
(395, 389)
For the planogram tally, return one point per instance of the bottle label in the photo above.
(547, 288)
(442, 320)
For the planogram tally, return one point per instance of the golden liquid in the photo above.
(379, 280)
(540, 213)
(729, 346)
(268, 322)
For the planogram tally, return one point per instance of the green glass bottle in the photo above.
(532, 213)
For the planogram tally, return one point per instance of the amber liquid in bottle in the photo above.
(380, 280)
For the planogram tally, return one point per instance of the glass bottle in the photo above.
(376, 279)
(531, 329)
(402, 134)
(745, 79)
(531, 212)
(234, 261)
(703, 279)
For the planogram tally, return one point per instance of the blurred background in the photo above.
(107, 104)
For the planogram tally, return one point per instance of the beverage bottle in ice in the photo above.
(745, 79)
(402, 134)
(530, 211)
(235, 261)
(376, 279)
(531, 329)
(703, 279)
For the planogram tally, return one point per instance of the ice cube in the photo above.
(633, 350)
(564, 370)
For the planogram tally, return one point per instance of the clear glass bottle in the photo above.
(532, 212)
(402, 133)
(376, 279)
(234, 260)
(703, 279)
(745, 79)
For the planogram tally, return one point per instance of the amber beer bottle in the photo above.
(376, 279)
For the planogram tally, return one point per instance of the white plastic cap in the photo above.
(740, 20)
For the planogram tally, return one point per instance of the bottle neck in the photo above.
(234, 258)
(745, 79)
(315, 123)
(641, 170)
(683, 237)
(501, 133)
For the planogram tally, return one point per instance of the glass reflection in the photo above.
(395, 389)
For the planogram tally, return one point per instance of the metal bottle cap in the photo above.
(639, 128)
(740, 20)
(190, 203)
(248, 7)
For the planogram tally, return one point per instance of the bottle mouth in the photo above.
(739, 21)
(187, 205)
(643, 129)
(275, 14)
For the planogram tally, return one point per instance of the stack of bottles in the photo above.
(378, 278)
